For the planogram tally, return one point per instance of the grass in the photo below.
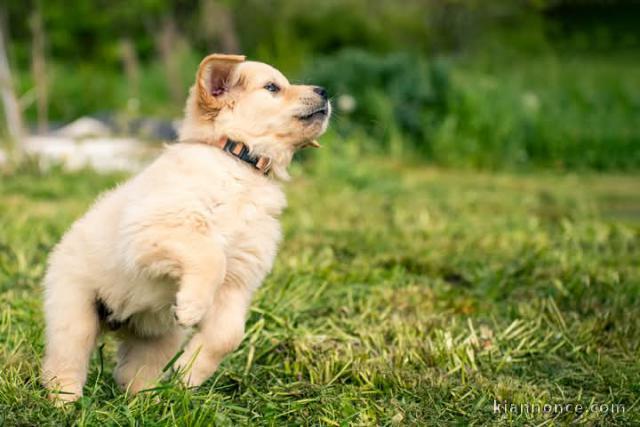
(401, 296)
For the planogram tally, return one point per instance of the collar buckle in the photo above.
(240, 150)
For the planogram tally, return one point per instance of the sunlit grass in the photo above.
(401, 295)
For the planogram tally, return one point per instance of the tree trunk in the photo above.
(9, 100)
(131, 66)
(217, 25)
(39, 69)
(167, 42)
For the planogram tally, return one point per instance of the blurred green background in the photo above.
(469, 232)
(493, 85)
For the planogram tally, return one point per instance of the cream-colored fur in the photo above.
(184, 243)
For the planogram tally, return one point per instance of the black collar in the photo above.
(240, 151)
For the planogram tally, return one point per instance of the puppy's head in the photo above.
(254, 103)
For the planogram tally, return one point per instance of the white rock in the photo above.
(84, 127)
(100, 153)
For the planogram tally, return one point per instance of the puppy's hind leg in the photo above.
(72, 326)
(141, 359)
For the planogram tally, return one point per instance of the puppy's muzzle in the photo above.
(320, 112)
(318, 108)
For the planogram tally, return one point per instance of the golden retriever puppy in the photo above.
(188, 240)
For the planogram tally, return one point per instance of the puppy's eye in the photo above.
(272, 87)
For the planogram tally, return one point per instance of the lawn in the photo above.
(402, 295)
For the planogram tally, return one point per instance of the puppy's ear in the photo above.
(213, 80)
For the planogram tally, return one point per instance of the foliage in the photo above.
(401, 295)
(489, 85)
(87, 89)
(567, 113)
(399, 90)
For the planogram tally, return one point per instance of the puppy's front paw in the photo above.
(189, 311)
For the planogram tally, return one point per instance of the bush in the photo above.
(394, 96)
(78, 89)
(543, 111)
(565, 113)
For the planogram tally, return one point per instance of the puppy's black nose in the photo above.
(322, 92)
